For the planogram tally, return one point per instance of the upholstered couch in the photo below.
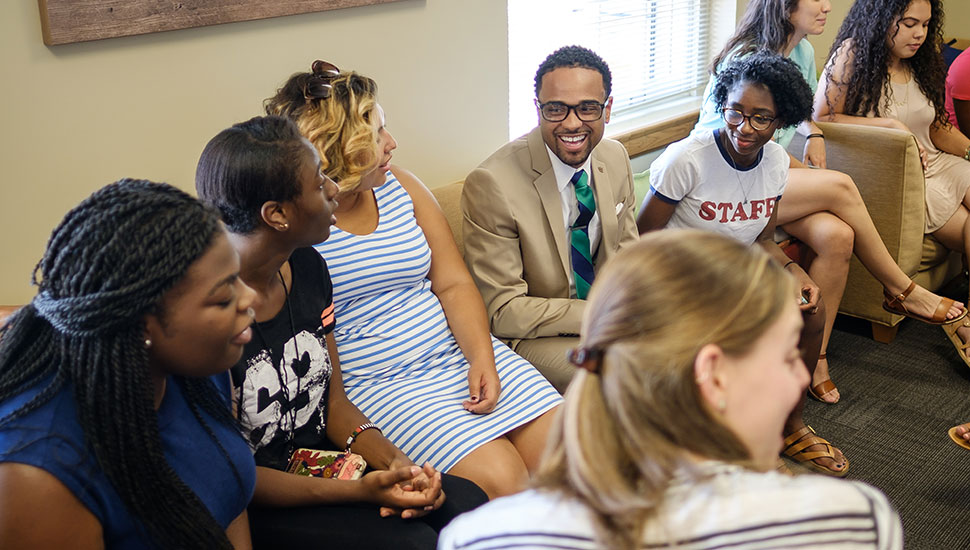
(6, 312)
(886, 167)
(449, 198)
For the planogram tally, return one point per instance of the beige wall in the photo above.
(79, 116)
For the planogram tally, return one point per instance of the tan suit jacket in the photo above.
(515, 238)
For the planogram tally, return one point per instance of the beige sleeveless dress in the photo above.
(947, 176)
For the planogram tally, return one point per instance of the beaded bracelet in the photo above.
(360, 429)
(810, 136)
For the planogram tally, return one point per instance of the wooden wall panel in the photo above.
(659, 135)
(67, 21)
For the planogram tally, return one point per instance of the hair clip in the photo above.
(585, 358)
(318, 84)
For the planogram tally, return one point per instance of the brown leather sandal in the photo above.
(796, 443)
(894, 304)
(822, 388)
(957, 439)
(951, 332)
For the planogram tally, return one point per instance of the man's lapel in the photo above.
(549, 195)
(606, 206)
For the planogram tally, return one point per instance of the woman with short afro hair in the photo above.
(823, 208)
(730, 181)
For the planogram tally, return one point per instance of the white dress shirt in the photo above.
(570, 206)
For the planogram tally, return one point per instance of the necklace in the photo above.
(892, 102)
(736, 175)
(284, 389)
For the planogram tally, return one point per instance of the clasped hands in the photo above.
(405, 489)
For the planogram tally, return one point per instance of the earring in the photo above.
(722, 405)
(148, 343)
(284, 226)
(251, 312)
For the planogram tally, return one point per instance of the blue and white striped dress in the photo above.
(400, 362)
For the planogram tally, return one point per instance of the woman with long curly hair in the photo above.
(823, 208)
(885, 70)
(415, 350)
(671, 428)
(115, 422)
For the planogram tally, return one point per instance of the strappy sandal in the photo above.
(796, 443)
(823, 387)
(957, 439)
(951, 333)
(894, 304)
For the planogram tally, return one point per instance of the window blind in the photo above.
(657, 50)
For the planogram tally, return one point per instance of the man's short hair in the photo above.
(575, 56)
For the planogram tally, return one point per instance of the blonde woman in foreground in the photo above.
(670, 433)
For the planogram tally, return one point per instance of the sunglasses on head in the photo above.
(318, 84)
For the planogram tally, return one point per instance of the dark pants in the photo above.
(360, 526)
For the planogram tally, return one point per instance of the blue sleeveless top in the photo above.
(50, 438)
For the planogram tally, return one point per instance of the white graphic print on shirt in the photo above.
(286, 398)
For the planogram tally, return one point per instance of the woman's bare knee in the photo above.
(495, 467)
(842, 186)
(833, 238)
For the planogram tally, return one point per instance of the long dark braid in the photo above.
(106, 266)
(867, 25)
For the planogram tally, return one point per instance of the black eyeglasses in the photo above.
(318, 84)
(735, 117)
(557, 111)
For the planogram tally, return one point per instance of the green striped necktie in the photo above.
(580, 251)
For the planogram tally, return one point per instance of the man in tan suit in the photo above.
(546, 211)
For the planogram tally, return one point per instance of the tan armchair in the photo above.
(449, 199)
(885, 165)
(6, 312)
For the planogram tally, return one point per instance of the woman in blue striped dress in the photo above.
(412, 332)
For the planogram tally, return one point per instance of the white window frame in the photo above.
(538, 27)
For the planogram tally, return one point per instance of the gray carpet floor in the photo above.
(898, 401)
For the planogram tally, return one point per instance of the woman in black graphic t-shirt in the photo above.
(266, 180)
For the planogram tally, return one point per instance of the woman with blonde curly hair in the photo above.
(415, 350)
(669, 433)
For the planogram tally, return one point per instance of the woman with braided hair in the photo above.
(671, 428)
(115, 426)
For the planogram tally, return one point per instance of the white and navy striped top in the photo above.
(400, 362)
(731, 509)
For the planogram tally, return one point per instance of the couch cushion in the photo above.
(449, 199)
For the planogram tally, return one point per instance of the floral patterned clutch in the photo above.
(329, 464)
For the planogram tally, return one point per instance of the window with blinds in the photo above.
(657, 50)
